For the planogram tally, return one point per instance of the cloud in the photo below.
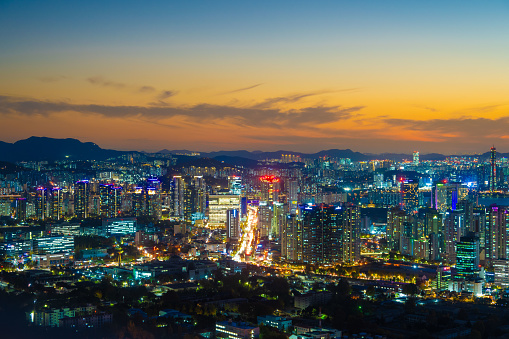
(100, 81)
(146, 89)
(48, 79)
(203, 113)
(165, 95)
(242, 89)
(431, 109)
(465, 128)
(294, 98)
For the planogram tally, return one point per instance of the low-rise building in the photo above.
(231, 330)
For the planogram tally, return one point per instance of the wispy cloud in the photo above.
(241, 116)
(146, 89)
(48, 79)
(100, 81)
(295, 97)
(242, 89)
(165, 95)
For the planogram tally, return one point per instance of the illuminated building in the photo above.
(178, 186)
(409, 197)
(395, 221)
(443, 278)
(416, 158)
(139, 201)
(232, 330)
(467, 257)
(496, 237)
(350, 233)
(21, 209)
(264, 218)
(493, 167)
(153, 204)
(270, 188)
(110, 200)
(51, 245)
(291, 238)
(292, 192)
(146, 202)
(41, 203)
(321, 234)
(447, 196)
(119, 226)
(65, 229)
(56, 202)
(233, 225)
(501, 272)
(235, 184)
(454, 229)
(277, 221)
(218, 206)
(81, 198)
(195, 199)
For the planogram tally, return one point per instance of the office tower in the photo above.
(270, 188)
(218, 208)
(291, 238)
(467, 257)
(493, 167)
(56, 203)
(235, 184)
(497, 222)
(119, 226)
(41, 203)
(21, 209)
(265, 214)
(447, 196)
(81, 199)
(153, 204)
(177, 187)
(409, 195)
(395, 221)
(233, 225)
(278, 219)
(416, 158)
(139, 201)
(195, 199)
(454, 229)
(320, 233)
(443, 278)
(110, 200)
(435, 246)
(330, 234)
(501, 272)
(349, 233)
(292, 192)
(51, 245)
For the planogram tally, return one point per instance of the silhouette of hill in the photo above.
(42, 148)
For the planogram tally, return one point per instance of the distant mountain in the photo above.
(204, 162)
(237, 161)
(42, 148)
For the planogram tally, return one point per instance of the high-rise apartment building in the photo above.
(81, 199)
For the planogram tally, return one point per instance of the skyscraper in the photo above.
(56, 202)
(416, 158)
(467, 257)
(41, 203)
(409, 197)
(291, 238)
(493, 172)
(81, 198)
(233, 225)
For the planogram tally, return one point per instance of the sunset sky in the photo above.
(372, 76)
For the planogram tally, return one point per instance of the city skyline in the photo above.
(372, 77)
